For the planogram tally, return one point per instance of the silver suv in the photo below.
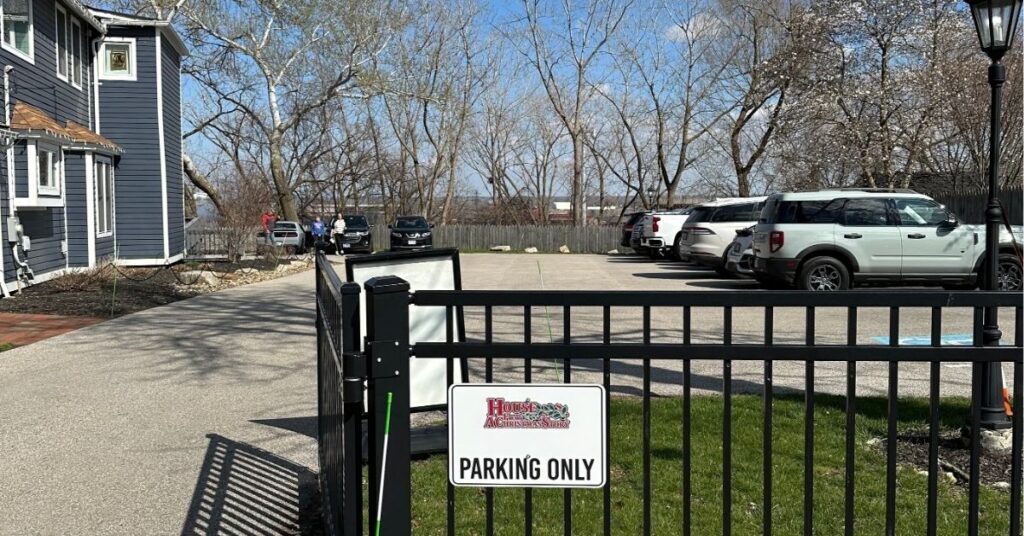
(835, 239)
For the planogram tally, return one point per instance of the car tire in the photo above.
(1009, 274)
(674, 254)
(824, 274)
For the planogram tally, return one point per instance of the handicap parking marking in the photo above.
(955, 339)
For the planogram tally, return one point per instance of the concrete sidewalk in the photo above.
(176, 420)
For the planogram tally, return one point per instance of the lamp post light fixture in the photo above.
(996, 23)
(652, 194)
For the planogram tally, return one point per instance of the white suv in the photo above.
(834, 239)
(711, 228)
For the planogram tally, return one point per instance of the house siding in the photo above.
(21, 169)
(45, 227)
(37, 83)
(77, 209)
(171, 80)
(129, 117)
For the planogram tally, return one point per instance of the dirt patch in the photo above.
(954, 456)
(109, 291)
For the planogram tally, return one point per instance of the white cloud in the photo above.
(699, 26)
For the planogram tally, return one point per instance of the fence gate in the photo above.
(383, 358)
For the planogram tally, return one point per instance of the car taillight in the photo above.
(701, 231)
(776, 240)
(654, 223)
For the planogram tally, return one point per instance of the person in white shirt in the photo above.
(338, 230)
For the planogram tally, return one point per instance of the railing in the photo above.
(388, 352)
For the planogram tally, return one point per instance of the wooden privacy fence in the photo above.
(970, 206)
(546, 238)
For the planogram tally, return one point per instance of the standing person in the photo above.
(319, 229)
(338, 229)
(268, 220)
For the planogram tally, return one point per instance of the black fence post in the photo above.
(387, 349)
(353, 367)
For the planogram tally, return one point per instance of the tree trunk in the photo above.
(284, 191)
(202, 183)
(579, 204)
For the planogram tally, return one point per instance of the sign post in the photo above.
(527, 435)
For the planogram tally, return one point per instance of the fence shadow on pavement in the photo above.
(246, 490)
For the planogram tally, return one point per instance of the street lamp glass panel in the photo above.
(996, 23)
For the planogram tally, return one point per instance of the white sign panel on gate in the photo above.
(431, 270)
(527, 435)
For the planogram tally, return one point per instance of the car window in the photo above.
(744, 212)
(866, 212)
(700, 214)
(411, 223)
(920, 212)
(823, 211)
(355, 221)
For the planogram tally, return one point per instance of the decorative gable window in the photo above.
(48, 171)
(16, 21)
(118, 58)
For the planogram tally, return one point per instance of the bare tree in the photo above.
(578, 35)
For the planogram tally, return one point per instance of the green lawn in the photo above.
(429, 477)
(4, 346)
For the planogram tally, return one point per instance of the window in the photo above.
(866, 212)
(62, 43)
(731, 213)
(48, 172)
(76, 53)
(69, 48)
(808, 211)
(118, 57)
(17, 26)
(921, 212)
(104, 198)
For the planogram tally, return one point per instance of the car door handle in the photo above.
(915, 235)
(853, 235)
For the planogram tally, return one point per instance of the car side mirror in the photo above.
(431, 225)
(950, 223)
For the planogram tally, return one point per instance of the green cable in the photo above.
(383, 463)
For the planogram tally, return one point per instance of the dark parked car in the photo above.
(358, 237)
(627, 228)
(411, 233)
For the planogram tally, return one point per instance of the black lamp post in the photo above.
(996, 22)
(651, 193)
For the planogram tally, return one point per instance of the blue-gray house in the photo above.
(91, 168)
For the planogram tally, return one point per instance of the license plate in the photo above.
(412, 242)
(346, 245)
(278, 243)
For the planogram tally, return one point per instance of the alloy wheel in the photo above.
(824, 278)
(1009, 276)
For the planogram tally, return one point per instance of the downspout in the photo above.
(7, 123)
(95, 104)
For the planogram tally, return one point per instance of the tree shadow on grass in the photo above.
(246, 490)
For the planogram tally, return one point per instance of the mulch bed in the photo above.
(107, 293)
(954, 457)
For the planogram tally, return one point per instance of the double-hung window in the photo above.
(69, 47)
(16, 26)
(104, 198)
(48, 171)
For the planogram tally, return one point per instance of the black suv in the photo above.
(358, 237)
(411, 233)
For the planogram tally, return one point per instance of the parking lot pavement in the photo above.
(598, 272)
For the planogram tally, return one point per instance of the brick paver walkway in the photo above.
(21, 328)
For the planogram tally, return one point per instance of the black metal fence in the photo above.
(970, 206)
(384, 365)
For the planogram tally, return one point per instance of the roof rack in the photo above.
(874, 190)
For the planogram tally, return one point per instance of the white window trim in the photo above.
(56, 164)
(31, 56)
(71, 54)
(104, 75)
(57, 43)
(110, 195)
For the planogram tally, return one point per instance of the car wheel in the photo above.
(1009, 275)
(675, 254)
(824, 274)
